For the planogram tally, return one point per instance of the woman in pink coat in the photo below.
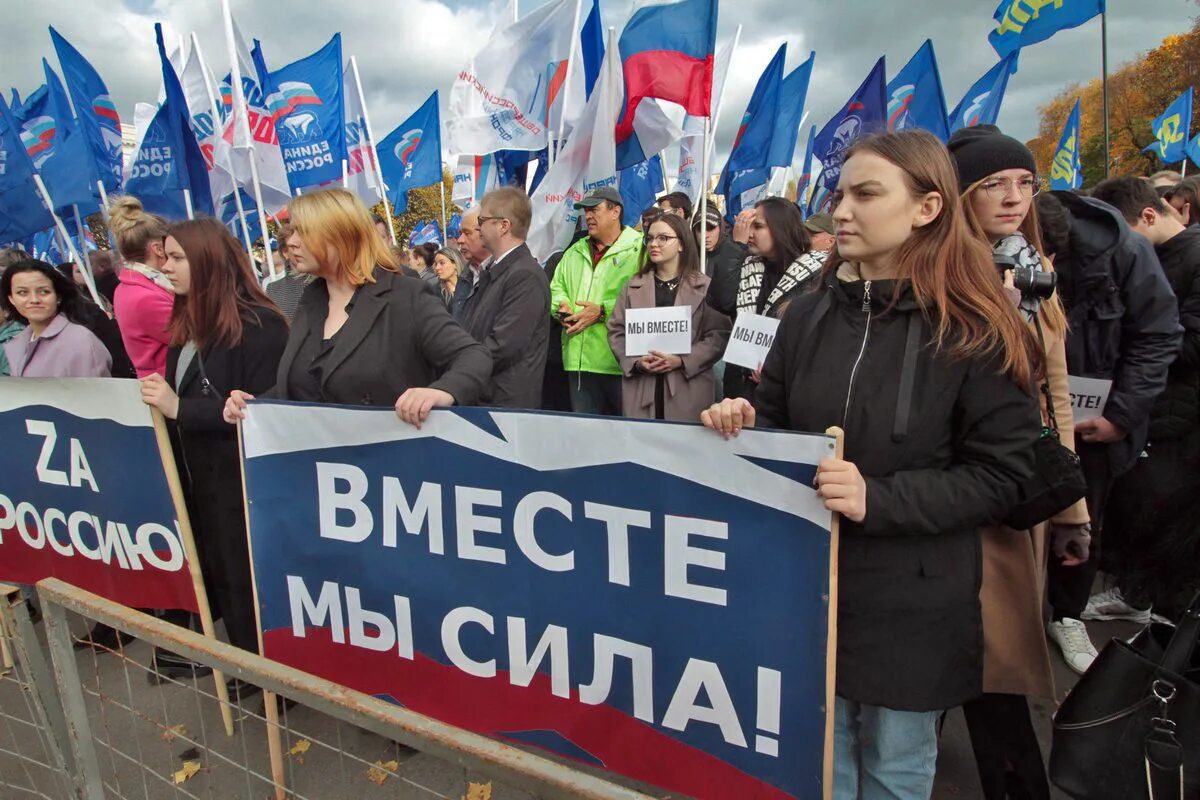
(144, 298)
(53, 344)
(669, 385)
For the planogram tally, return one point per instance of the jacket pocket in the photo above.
(1103, 339)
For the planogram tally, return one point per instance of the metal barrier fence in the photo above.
(117, 727)
(31, 761)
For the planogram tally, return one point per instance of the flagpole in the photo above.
(716, 111)
(216, 117)
(104, 214)
(62, 232)
(84, 265)
(1104, 80)
(442, 192)
(345, 174)
(187, 203)
(704, 195)
(375, 165)
(239, 101)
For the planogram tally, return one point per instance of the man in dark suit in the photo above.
(507, 307)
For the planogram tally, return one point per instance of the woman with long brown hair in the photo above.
(912, 348)
(224, 333)
(998, 180)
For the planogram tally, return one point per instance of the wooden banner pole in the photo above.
(831, 640)
(189, 546)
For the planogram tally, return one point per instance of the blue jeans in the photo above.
(883, 754)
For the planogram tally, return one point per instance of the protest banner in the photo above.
(667, 330)
(1088, 397)
(90, 494)
(751, 340)
(657, 603)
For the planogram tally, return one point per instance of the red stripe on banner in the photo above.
(110, 113)
(492, 706)
(145, 588)
(667, 75)
(556, 83)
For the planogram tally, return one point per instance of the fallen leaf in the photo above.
(379, 773)
(173, 732)
(190, 768)
(479, 791)
(299, 749)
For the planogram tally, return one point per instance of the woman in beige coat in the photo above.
(998, 177)
(674, 386)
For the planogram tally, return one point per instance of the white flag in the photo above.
(474, 176)
(501, 98)
(361, 171)
(691, 147)
(588, 160)
(264, 143)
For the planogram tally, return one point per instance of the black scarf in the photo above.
(795, 278)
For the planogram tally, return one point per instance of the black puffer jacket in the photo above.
(724, 266)
(943, 445)
(1176, 413)
(1124, 322)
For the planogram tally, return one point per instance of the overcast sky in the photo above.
(407, 48)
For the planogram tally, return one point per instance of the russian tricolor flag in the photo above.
(667, 54)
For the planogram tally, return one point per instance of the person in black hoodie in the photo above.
(913, 349)
(723, 261)
(224, 333)
(1150, 542)
(1123, 326)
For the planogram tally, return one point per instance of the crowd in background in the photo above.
(936, 314)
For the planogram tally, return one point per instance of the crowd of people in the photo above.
(937, 314)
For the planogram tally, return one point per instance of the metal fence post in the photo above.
(30, 657)
(66, 673)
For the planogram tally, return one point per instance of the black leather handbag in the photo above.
(1130, 729)
(1057, 481)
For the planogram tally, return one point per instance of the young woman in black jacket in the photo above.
(913, 349)
(224, 332)
(363, 333)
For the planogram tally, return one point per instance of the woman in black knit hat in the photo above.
(998, 180)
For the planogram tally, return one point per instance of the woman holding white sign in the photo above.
(669, 385)
(912, 348)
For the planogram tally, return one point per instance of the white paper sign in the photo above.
(667, 330)
(1088, 397)
(751, 339)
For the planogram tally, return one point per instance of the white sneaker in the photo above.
(1072, 638)
(1111, 605)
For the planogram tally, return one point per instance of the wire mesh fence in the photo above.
(136, 724)
(31, 763)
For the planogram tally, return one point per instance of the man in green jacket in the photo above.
(582, 296)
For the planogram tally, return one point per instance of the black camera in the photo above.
(1033, 283)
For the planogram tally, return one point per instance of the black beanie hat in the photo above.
(983, 150)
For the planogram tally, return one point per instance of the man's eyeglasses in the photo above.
(489, 219)
(1000, 188)
(660, 239)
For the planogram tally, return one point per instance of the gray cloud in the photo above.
(408, 48)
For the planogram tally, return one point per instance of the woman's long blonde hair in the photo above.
(1051, 311)
(335, 219)
(134, 228)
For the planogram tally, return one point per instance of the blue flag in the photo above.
(639, 186)
(454, 226)
(1171, 130)
(915, 98)
(229, 215)
(60, 153)
(1066, 172)
(750, 156)
(512, 167)
(428, 233)
(169, 160)
(411, 155)
(792, 94)
(21, 210)
(981, 104)
(1020, 23)
(806, 173)
(97, 115)
(308, 108)
(864, 113)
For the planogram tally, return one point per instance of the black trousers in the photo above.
(1006, 748)
(1068, 588)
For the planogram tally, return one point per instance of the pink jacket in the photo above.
(64, 350)
(143, 311)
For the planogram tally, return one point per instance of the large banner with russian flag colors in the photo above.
(643, 597)
(84, 493)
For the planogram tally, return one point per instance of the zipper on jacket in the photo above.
(866, 307)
